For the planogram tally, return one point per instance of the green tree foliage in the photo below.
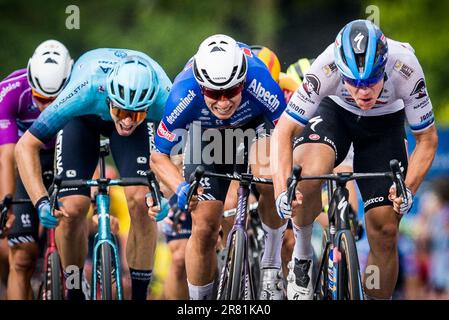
(423, 24)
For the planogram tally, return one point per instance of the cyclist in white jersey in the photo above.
(360, 90)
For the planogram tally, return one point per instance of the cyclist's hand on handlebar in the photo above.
(46, 217)
(401, 205)
(284, 209)
(9, 223)
(182, 193)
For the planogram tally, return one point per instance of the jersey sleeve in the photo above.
(10, 91)
(157, 109)
(321, 80)
(177, 115)
(73, 101)
(413, 90)
(265, 91)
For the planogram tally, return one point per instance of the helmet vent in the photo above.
(243, 69)
(143, 94)
(121, 91)
(215, 49)
(132, 94)
(50, 60)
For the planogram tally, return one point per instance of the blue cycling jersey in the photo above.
(261, 96)
(85, 93)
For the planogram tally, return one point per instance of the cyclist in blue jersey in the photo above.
(224, 92)
(117, 93)
(359, 90)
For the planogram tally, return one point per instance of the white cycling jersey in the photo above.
(404, 87)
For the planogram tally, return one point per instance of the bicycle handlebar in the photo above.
(395, 174)
(149, 180)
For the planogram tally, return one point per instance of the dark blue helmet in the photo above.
(361, 53)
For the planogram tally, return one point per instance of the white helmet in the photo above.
(49, 68)
(219, 63)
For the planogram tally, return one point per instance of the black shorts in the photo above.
(217, 151)
(78, 148)
(26, 225)
(376, 141)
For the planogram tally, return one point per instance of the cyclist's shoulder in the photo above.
(13, 86)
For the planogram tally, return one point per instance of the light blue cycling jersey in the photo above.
(261, 96)
(86, 94)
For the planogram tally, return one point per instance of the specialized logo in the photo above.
(403, 69)
(8, 88)
(263, 95)
(373, 200)
(314, 121)
(342, 207)
(163, 132)
(182, 105)
(420, 89)
(312, 84)
(359, 38)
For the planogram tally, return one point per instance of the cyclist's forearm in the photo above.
(29, 165)
(166, 172)
(281, 151)
(421, 158)
(7, 170)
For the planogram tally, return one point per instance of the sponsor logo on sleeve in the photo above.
(163, 132)
(297, 109)
(182, 105)
(419, 91)
(329, 69)
(4, 124)
(271, 101)
(403, 69)
(312, 85)
(8, 88)
(73, 93)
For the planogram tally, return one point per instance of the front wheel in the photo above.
(106, 272)
(349, 283)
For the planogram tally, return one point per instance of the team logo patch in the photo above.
(163, 132)
(420, 89)
(247, 52)
(403, 69)
(312, 84)
(329, 69)
(314, 137)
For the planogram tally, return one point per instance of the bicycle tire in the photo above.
(349, 283)
(56, 285)
(322, 283)
(236, 292)
(106, 272)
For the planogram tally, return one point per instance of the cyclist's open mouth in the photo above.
(126, 129)
(224, 111)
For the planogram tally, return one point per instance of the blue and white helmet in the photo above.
(132, 84)
(361, 52)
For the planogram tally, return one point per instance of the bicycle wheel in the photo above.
(232, 288)
(106, 272)
(322, 282)
(52, 287)
(349, 284)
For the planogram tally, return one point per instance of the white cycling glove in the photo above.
(283, 208)
(407, 203)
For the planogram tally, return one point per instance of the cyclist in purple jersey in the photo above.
(23, 95)
(224, 87)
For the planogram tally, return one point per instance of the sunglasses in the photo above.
(365, 83)
(40, 98)
(224, 93)
(121, 114)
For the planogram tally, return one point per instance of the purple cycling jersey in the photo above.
(17, 110)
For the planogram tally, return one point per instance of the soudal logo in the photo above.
(8, 88)
(163, 132)
(182, 105)
(263, 95)
(373, 200)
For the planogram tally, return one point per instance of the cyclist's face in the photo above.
(223, 108)
(365, 97)
(41, 105)
(125, 126)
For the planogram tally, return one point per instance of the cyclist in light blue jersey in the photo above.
(117, 93)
